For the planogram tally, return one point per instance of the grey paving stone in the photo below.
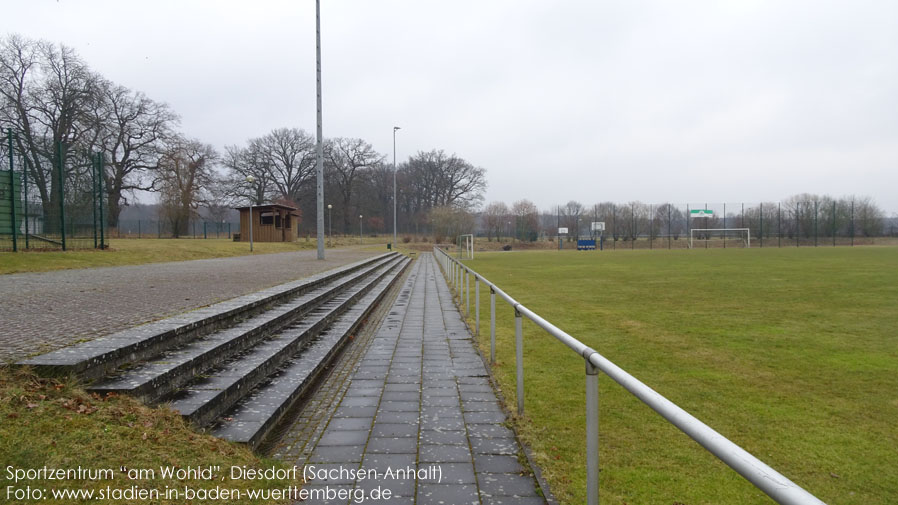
(359, 401)
(399, 406)
(489, 430)
(494, 446)
(397, 417)
(343, 437)
(401, 396)
(394, 430)
(506, 484)
(447, 494)
(492, 463)
(444, 437)
(513, 500)
(429, 453)
(351, 423)
(344, 411)
(484, 417)
(398, 445)
(454, 473)
(381, 462)
(337, 454)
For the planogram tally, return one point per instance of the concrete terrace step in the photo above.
(96, 358)
(162, 375)
(253, 417)
(208, 396)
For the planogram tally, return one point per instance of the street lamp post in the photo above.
(394, 186)
(330, 221)
(250, 179)
(360, 229)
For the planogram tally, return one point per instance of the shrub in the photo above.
(506, 247)
(406, 239)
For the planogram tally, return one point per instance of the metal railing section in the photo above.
(765, 478)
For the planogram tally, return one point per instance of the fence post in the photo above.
(467, 293)
(816, 203)
(476, 306)
(59, 170)
(519, 358)
(761, 223)
(229, 231)
(24, 194)
(101, 172)
(12, 195)
(204, 231)
(492, 326)
(834, 223)
(592, 434)
(138, 228)
(93, 192)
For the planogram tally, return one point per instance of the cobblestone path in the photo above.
(40, 312)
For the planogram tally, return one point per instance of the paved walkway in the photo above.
(44, 311)
(416, 396)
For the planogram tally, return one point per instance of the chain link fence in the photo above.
(828, 222)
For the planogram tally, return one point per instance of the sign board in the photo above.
(598, 226)
(701, 213)
(562, 231)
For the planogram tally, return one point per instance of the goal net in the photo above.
(734, 235)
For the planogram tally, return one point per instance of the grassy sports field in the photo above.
(790, 353)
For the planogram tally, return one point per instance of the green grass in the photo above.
(140, 251)
(790, 353)
(54, 423)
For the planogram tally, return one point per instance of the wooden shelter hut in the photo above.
(271, 223)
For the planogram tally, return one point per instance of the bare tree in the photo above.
(185, 173)
(345, 159)
(131, 129)
(289, 156)
(494, 218)
(242, 163)
(50, 97)
(526, 220)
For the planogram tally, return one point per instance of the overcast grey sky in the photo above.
(651, 100)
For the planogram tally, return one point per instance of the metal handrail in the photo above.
(765, 478)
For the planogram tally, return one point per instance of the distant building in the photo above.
(271, 223)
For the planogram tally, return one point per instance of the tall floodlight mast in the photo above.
(320, 147)
(394, 186)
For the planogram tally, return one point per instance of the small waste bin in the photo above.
(389, 246)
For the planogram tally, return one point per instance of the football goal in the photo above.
(741, 234)
(466, 246)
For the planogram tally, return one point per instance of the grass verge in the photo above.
(141, 251)
(55, 424)
(790, 353)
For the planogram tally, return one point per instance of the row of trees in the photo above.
(358, 180)
(802, 216)
(51, 98)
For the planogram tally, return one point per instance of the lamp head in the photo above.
(250, 179)
(396, 128)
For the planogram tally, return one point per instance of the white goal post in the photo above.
(745, 233)
(466, 251)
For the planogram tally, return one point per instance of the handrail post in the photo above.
(592, 434)
(476, 306)
(519, 358)
(492, 326)
(467, 294)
